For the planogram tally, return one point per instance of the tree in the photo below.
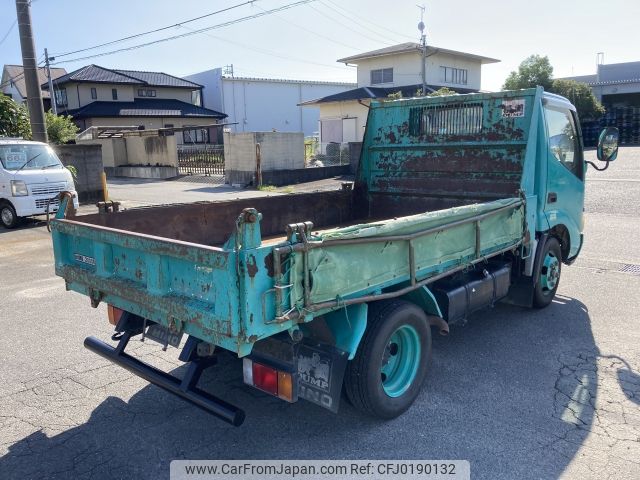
(441, 92)
(581, 96)
(60, 128)
(14, 119)
(533, 71)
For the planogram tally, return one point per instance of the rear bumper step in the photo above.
(185, 388)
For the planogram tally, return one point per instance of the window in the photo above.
(145, 92)
(197, 135)
(114, 93)
(94, 93)
(453, 75)
(195, 98)
(563, 139)
(61, 97)
(382, 75)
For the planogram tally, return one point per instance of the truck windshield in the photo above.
(15, 157)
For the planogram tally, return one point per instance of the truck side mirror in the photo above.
(608, 144)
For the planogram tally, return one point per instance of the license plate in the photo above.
(163, 336)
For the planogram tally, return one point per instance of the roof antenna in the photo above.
(423, 37)
(423, 45)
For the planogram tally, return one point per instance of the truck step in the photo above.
(185, 388)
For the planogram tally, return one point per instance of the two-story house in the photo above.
(13, 83)
(391, 70)
(100, 97)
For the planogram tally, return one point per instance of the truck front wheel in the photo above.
(392, 360)
(8, 216)
(549, 278)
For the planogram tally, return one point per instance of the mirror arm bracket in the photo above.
(596, 167)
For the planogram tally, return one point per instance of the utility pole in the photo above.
(423, 42)
(54, 107)
(29, 63)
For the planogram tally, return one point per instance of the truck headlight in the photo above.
(18, 188)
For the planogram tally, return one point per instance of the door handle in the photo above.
(552, 197)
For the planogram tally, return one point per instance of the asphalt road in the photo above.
(519, 393)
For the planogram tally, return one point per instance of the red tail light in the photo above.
(265, 378)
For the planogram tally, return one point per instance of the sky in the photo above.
(303, 42)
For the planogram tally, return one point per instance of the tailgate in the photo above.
(171, 282)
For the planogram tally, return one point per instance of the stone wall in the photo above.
(87, 160)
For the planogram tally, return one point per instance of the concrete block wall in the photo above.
(278, 151)
(152, 150)
(137, 150)
(87, 160)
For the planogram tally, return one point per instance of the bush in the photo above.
(60, 128)
(14, 119)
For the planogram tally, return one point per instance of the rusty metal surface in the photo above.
(431, 153)
(212, 223)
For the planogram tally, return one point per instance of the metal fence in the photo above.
(201, 159)
(326, 154)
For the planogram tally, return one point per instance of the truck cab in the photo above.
(31, 177)
(563, 198)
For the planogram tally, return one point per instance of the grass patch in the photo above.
(268, 188)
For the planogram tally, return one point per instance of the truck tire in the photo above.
(549, 279)
(8, 216)
(392, 360)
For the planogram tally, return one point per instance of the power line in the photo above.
(354, 20)
(307, 30)
(250, 2)
(194, 32)
(272, 53)
(349, 27)
(9, 31)
(352, 15)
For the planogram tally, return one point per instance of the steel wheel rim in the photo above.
(7, 216)
(400, 361)
(550, 273)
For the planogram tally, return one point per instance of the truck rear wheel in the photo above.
(549, 279)
(8, 216)
(392, 360)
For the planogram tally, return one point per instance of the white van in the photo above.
(31, 176)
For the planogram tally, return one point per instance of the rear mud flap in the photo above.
(320, 373)
(319, 367)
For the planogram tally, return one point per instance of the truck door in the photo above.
(565, 173)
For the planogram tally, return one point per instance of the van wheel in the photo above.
(392, 360)
(549, 279)
(8, 216)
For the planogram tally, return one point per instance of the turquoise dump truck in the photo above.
(459, 202)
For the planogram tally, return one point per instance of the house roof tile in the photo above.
(98, 74)
(364, 93)
(412, 47)
(140, 107)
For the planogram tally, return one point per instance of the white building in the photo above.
(265, 104)
(614, 84)
(390, 70)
